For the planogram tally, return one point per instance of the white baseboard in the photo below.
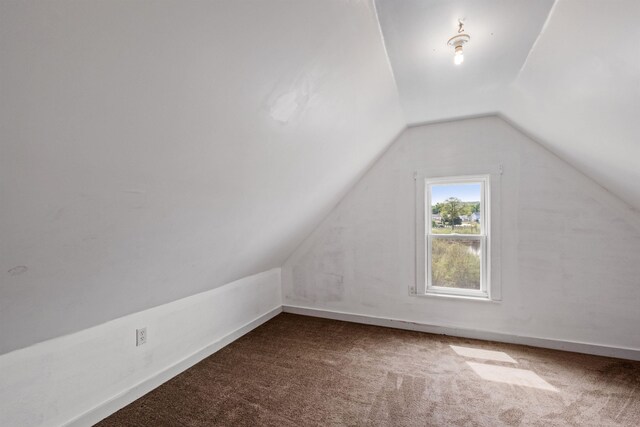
(576, 347)
(121, 400)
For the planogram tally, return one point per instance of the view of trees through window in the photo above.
(456, 263)
(456, 209)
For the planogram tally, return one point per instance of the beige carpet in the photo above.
(303, 371)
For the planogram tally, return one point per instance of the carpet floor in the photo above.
(304, 371)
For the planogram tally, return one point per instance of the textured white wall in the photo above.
(56, 381)
(151, 150)
(570, 249)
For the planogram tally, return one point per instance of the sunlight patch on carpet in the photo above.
(478, 353)
(514, 376)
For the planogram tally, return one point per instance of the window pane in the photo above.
(455, 208)
(455, 263)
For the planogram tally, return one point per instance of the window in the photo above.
(455, 238)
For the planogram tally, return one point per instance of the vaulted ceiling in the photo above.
(567, 72)
(431, 86)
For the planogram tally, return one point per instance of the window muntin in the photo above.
(456, 224)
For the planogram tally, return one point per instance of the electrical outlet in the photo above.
(141, 336)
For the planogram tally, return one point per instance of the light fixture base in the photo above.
(458, 40)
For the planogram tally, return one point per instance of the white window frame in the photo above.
(489, 280)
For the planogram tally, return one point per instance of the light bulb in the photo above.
(459, 56)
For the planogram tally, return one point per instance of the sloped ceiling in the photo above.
(566, 72)
(431, 86)
(579, 92)
(152, 150)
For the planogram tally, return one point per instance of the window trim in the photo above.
(490, 280)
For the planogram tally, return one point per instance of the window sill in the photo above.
(458, 297)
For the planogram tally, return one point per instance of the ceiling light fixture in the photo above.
(457, 42)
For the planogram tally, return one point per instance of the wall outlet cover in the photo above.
(141, 336)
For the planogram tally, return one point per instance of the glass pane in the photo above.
(455, 208)
(455, 263)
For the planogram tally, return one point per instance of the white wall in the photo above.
(570, 250)
(154, 149)
(100, 369)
